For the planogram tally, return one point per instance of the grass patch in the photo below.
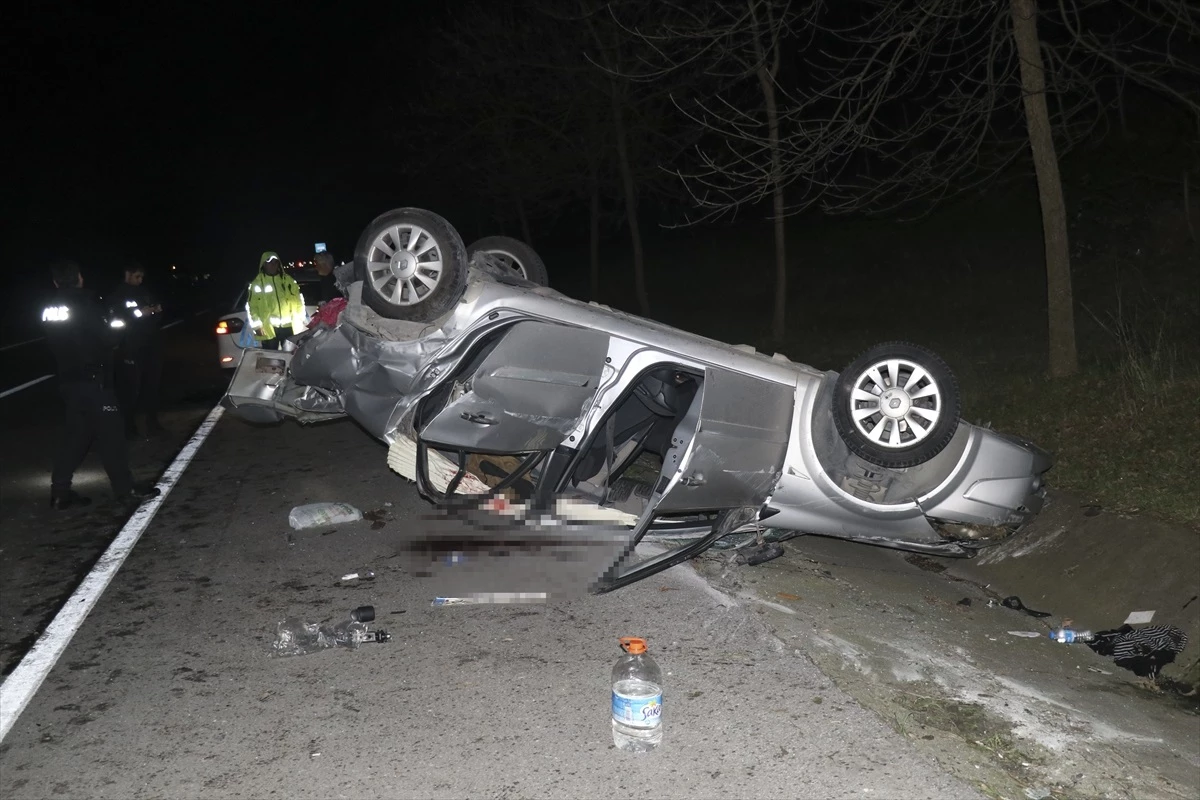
(1125, 450)
(968, 721)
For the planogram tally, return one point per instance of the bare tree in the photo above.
(540, 126)
(908, 103)
(614, 55)
(736, 45)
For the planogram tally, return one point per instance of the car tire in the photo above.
(514, 254)
(395, 258)
(917, 419)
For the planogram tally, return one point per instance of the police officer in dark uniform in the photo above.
(82, 340)
(139, 356)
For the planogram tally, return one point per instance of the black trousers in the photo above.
(281, 333)
(92, 414)
(139, 375)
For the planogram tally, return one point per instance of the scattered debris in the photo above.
(1101, 671)
(1142, 651)
(294, 637)
(787, 596)
(760, 555)
(1027, 634)
(361, 575)
(1015, 603)
(966, 601)
(321, 515)
(1139, 617)
(1037, 793)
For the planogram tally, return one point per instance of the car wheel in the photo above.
(412, 263)
(896, 405)
(515, 255)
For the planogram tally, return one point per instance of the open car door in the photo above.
(516, 403)
(724, 460)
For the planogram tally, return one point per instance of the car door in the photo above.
(729, 448)
(526, 395)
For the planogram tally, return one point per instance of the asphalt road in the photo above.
(44, 554)
(170, 688)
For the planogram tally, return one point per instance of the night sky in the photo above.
(202, 134)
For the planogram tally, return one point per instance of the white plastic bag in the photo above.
(320, 515)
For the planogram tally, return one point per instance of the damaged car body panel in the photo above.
(516, 391)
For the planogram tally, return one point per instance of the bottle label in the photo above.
(637, 712)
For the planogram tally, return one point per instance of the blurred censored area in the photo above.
(497, 550)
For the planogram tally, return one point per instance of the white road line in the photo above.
(24, 681)
(21, 344)
(25, 385)
(201, 313)
(171, 324)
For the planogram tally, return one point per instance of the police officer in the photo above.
(82, 341)
(139, 362)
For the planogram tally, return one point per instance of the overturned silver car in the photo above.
(487, 384)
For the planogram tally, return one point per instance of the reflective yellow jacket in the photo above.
(273, 300)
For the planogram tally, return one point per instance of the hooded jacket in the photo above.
(273, 300)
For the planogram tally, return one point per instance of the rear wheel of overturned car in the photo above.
(513, 254)
(412, 263)
(896, 405)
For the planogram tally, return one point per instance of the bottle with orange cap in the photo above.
(636, 698)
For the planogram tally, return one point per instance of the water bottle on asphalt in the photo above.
(1068, 636)
(636, 699)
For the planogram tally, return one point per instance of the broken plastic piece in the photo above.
(319, 515)
(760, 555)
(1015, 603)
(294, 637)
(361, 575)
(1027, 634)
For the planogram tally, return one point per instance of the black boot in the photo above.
(67, 498)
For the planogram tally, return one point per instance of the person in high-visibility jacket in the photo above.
(274, 303)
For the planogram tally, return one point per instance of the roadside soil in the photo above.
(925, 643)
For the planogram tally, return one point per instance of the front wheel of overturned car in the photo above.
(897, 405)
(513, 254)
(412, 263)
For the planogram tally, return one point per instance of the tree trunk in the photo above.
(1063, 357)
(631, 215)
(525, 232)
(779, 319)
(594, 241)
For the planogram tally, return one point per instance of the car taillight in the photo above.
(226, 359)
(232, 325)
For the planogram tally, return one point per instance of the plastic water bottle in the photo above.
(636, 699)
(1068, 636)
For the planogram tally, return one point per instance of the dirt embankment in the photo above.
(927, 644)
